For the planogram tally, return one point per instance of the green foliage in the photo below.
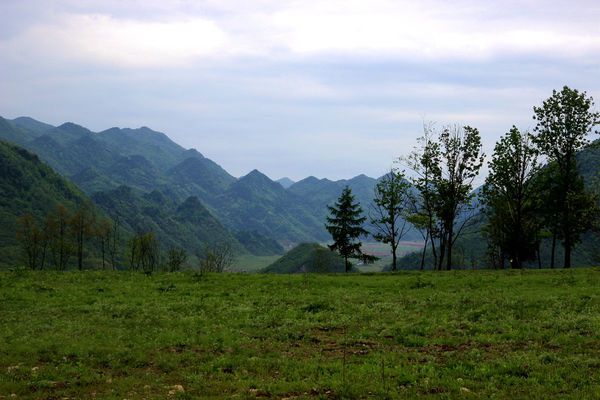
(511, 199)
(445, 169)
(345, 226)
(307, 257)
(389, 208)
(27, 186)
(563, 122)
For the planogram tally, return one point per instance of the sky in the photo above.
(295, 88)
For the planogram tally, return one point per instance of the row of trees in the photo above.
(527, 202)
(534, 190)
(63, 235)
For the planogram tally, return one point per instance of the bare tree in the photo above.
(61, 246)
(31, 239)
(82, 223)
(113, 241)
(144, 252)
(102, 232)
(175, 258)
(216, 258)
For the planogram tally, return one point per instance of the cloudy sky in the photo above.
(294, 88)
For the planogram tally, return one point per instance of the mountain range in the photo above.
(152, 183)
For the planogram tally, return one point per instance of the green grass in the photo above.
(472, 334)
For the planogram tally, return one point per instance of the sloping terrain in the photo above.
(307, 257)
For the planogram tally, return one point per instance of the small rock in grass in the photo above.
(178, 388)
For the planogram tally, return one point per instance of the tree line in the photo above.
(64, 235)
(533, 192)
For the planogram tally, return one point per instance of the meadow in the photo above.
(471, 334)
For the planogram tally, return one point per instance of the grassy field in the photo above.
(471, 334)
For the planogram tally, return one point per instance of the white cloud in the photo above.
(130, 43)
(426, 30)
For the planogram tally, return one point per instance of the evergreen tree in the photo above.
(345, 226)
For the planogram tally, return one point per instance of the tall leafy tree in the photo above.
(345, 226)
(510, 198)
(424, 161)
(388, 209)
(564, 121)
(459, 163)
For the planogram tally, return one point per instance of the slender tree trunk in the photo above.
(568, 247)
(43, 260)
(449, 260)
(539, 260)
(424, 251)
(346, 263)
(553, 250)
(394, 265)
(442, 251)
(80, 254)
(103, 241)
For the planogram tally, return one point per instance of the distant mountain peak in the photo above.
(72, 127)
(285, 182)
(255, 174)
(255, 177)
(193, 153)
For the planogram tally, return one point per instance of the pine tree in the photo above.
(345, 226)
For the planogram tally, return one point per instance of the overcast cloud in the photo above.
(294, 88)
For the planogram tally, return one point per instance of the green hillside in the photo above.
(188, 225)
(27, 185)
(307, 257)
(255, 202)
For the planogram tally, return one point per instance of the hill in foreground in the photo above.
(27, 185)
(307, 257)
